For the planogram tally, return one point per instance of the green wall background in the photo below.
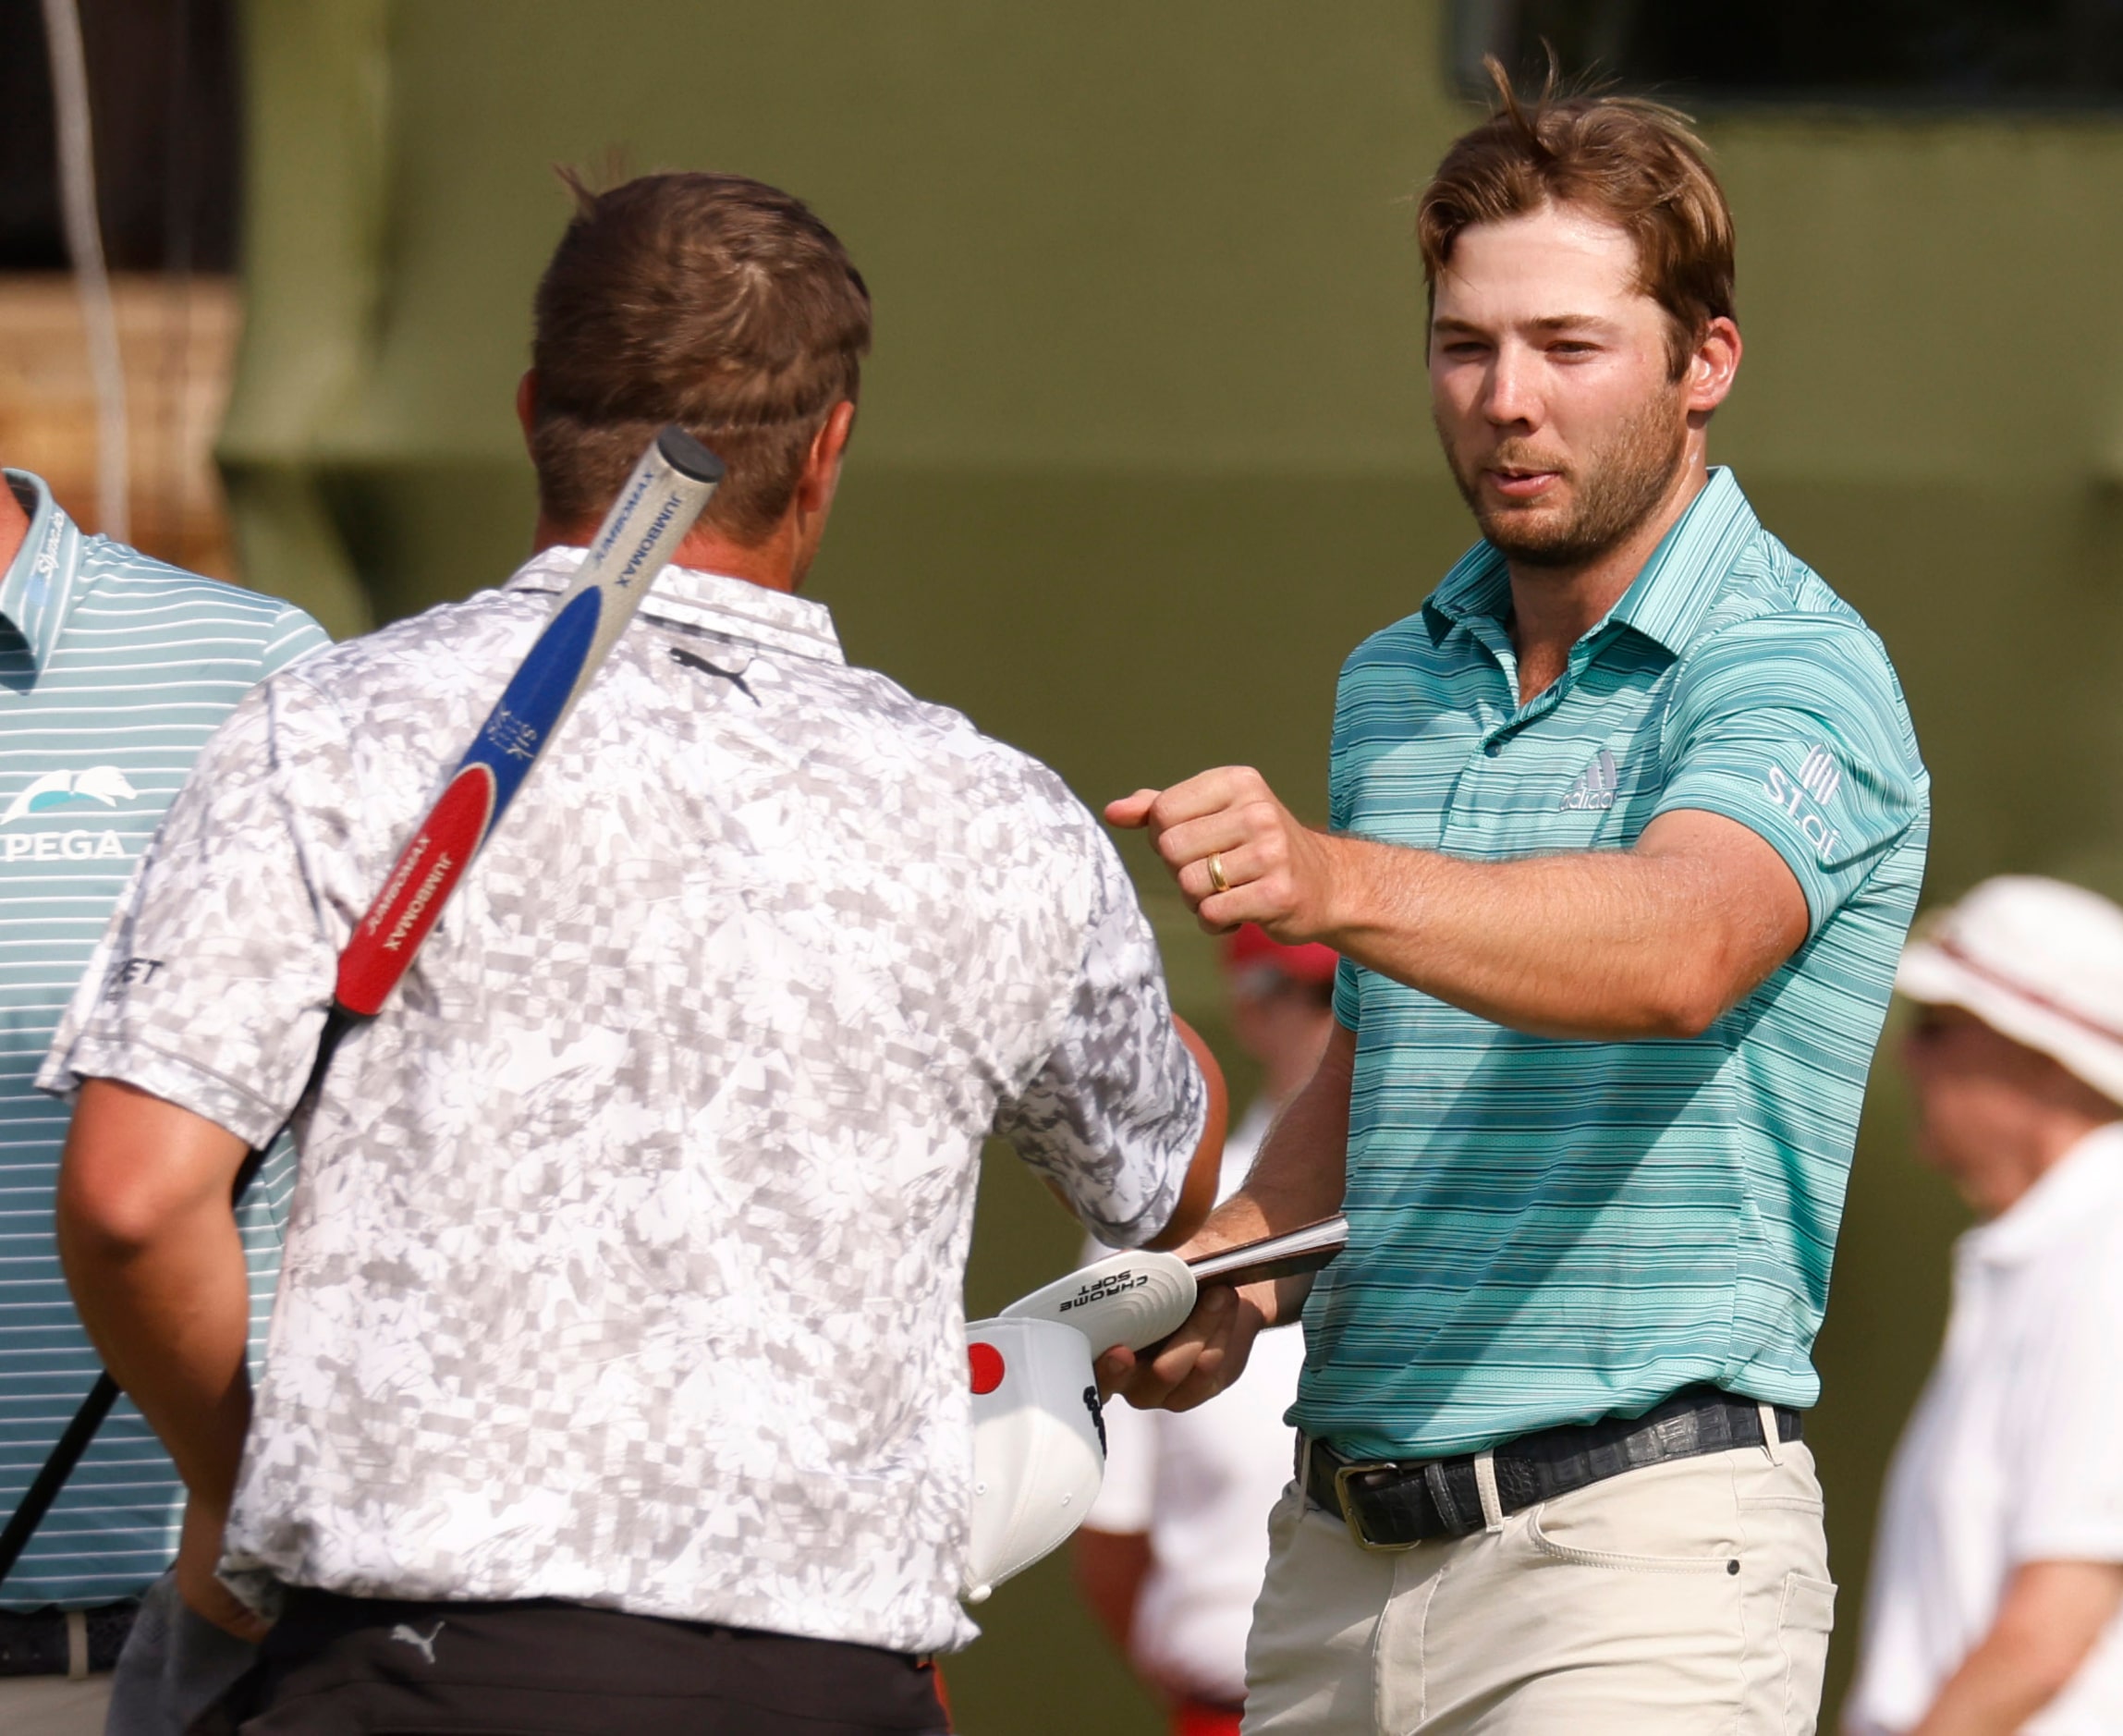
(1143, 447)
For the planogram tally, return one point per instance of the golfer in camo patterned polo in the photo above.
(623, 1273)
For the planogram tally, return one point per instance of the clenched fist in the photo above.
(1237, 854)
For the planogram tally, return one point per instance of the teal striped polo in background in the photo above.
(113, 670)
(1546, 1231)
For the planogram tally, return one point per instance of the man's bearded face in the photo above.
(1552, 385)
(1606, 490)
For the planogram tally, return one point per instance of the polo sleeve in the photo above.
(1113, 1113)
(1794, 726)
(210, 985)
(292, 637)
(2065, 1501)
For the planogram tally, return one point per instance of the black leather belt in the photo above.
(1392, 1504)
(39, 1642)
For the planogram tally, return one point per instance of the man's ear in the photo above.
(1714, 366)
(822, 463)
(527, 402)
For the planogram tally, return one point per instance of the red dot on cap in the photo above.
(987, 1365)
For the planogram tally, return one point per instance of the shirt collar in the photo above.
(2084, 1185)
(736, 608)
(1667, 600)
(40, 582)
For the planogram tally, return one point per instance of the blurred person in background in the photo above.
(1170, 1557)
(1998, 1571)
(114, 671)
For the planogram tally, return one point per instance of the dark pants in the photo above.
(350, 1667)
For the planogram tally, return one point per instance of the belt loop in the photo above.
(1303, 1468)
(1485, 1482)
(76, 1644)
(1770, 1443)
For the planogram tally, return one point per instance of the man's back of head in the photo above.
(711, 301)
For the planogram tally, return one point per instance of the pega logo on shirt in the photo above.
(1805, 796)
(103, 786)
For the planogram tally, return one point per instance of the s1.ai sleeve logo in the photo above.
(1805, 798)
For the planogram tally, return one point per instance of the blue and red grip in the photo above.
(471, 804)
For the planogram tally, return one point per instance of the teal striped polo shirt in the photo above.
(1548, 1232)
(113, 670)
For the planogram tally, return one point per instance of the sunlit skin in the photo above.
(1552, 388)
(1579, 445)
(14, 527)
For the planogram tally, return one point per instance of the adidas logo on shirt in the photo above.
(1595, 789)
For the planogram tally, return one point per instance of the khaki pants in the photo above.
(1684, 1597)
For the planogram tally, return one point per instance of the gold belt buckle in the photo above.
(1342, 1475)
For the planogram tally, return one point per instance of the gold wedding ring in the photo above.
(1216, 881)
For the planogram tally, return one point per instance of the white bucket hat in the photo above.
(2035, 959)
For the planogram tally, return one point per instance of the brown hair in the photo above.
(1637, 164)
(711, 301)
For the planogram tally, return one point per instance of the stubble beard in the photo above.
(1613, 493)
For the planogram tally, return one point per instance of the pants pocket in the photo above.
(1804, 1620)
(1592, 1547)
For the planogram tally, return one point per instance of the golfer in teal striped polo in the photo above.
(113, 670)
(1627, 823)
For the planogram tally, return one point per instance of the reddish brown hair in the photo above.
(1635, 163)
(710, 300)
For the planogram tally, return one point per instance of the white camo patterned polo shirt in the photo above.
(625, 1258)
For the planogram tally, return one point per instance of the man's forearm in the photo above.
(1297, 1177)
(172, 1330)
(1596, 944)
(1993, 1694)
(1657, 940)
(1198, 1190)
(155, 1263)
(2051, 1616)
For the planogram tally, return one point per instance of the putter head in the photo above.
(1134, 1298)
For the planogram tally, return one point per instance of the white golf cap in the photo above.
(2037, 961)
(1038, 1445)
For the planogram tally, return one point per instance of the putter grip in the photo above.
(688, 457)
